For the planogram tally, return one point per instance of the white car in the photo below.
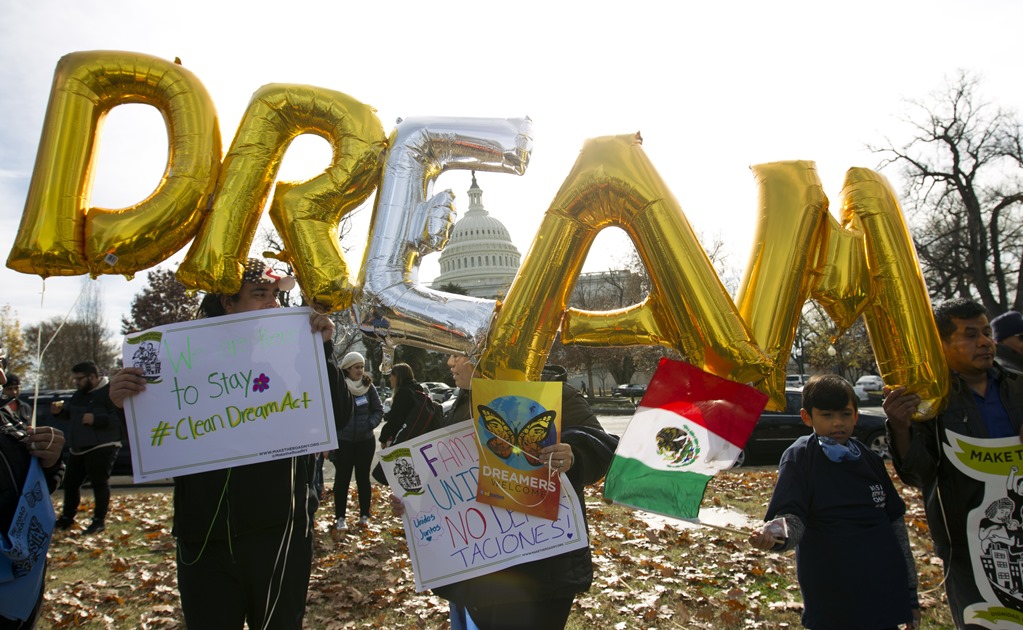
(870, 382)
(438, 391)
(796, 380)
(450, 402)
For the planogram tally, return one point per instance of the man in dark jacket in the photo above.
(244, 534)
(11, 404)
(985, 401)
(94, 433)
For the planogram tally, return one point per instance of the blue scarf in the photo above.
(23, 549)
(839, 452)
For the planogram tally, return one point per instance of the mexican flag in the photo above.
(689, 425)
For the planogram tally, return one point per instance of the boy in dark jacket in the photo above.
(836, 505)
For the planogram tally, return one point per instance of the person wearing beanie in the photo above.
(355, 440)
(32, 462)
(1008, 333)
(244, 534)
(11, 404)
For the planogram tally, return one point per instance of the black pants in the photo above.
(96, 466)
(960, 584)
(223, 586)
(545, 614)
(349, 457)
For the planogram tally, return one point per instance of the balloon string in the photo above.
(39, 342)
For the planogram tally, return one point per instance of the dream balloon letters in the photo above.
(863, 264)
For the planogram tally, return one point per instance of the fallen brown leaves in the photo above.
(124, 574)
(647, 574)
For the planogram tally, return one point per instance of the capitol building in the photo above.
(480, 256)
(481, 259)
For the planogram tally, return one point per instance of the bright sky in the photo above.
(712, 89)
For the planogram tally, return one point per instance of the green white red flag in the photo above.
(689, 425)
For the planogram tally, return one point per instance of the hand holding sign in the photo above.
(452, 537)
(214, 393)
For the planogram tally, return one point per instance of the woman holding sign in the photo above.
(356, 442)
(244, 534)
(539, 594)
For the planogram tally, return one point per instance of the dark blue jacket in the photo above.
(106, 420)
(366, 413)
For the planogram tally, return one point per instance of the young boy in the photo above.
(836, 505)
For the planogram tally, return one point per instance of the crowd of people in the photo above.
(244, 534)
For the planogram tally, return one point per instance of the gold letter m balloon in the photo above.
(866, 265)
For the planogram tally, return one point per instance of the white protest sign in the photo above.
(228, 391)
(993, 544)
(451, 537)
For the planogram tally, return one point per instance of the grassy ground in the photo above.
(648, 574)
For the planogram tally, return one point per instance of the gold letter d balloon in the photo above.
(60, 233)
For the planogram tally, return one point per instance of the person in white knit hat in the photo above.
(355, 440)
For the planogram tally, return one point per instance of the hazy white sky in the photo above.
(712, 89)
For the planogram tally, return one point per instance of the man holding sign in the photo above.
(965, 460)
(244, 534)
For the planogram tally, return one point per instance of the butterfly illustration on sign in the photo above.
(506, 442)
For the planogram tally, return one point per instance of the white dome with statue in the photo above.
(480, 256)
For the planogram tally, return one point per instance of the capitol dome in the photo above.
(480, 256)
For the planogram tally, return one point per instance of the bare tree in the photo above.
(84, 337)
(849, 355)
(96, 343)
(963, 166)
(164, 300)
(74, 342)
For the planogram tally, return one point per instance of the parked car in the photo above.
(796, 380)
(870, 385)
(122, 465)
(870, 382)
(450, 402)
(777, 430)
(630, 390)
(438, 391)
